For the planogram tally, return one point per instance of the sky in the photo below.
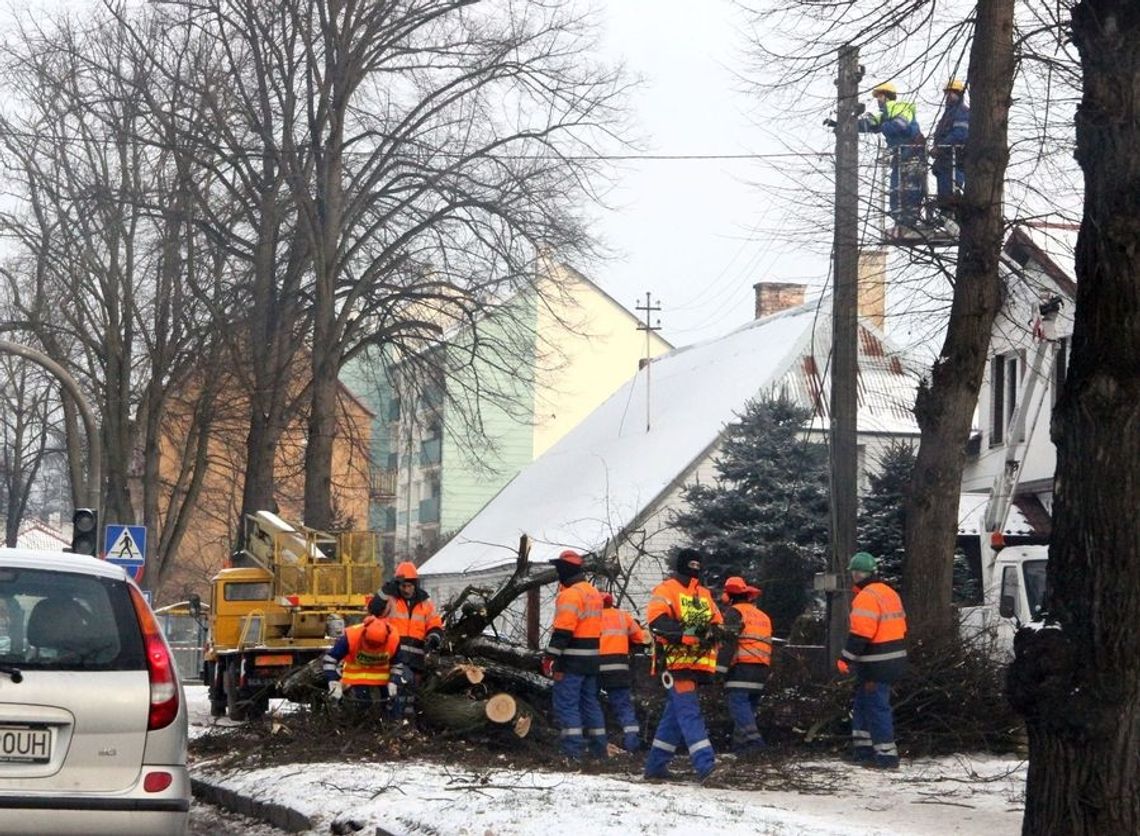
(691, 232)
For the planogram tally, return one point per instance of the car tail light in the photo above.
(157, 781)
(159, 666)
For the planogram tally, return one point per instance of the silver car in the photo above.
(92, 715)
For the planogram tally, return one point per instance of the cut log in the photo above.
(459, 675)
(461, 714)
(501, 708)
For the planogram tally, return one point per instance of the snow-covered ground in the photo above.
(975, 795)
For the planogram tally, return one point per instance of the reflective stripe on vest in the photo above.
(365, 666)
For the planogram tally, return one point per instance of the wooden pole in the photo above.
(844, 347)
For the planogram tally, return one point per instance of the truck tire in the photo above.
(211, 675)
(235, 706)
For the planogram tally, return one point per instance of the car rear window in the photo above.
(65, 621)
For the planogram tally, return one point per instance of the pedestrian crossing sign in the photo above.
(125, 545)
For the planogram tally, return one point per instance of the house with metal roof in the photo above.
(610, 485)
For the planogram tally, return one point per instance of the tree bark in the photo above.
(944, 408)
(1079, 686)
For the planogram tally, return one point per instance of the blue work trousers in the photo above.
(908, 183)
(621, 701)
(742, 705)
(578, 713)
(681, 723)
(948, 170)
(873, 725)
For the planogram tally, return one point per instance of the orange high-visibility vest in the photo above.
(413, 620)
(577, 629)
(754, 644)
(367, 665)
(619, 628)
(687, 604)
(877, 639)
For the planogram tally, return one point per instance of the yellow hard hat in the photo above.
(886, 87)
(954, 86)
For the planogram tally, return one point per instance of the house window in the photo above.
(997, 398)
(1060, 367)
(1003, 391)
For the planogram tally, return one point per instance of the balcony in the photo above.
(383, 487)
(431, 452)
(429, 510)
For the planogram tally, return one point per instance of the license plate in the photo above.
(24, 744)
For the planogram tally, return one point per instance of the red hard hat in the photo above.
(569, 556)
(406, 571)
(737, 586)
(607, 600)
(375, 634)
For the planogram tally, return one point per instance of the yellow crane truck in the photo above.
(288, 595)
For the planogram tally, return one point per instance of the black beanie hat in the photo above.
(685, 560)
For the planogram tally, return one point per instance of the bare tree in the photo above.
(107, 252)
(28, 415)
(426, 154)
(1079, 685)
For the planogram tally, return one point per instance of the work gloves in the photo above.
(336, 690)
(842, 666)
(433, 642)
(831, 123)
(390, 589)
(547, 667)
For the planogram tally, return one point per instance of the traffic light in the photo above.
(85, 532)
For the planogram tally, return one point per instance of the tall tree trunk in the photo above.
(260, 454)
(945, 408)
(1079, 686)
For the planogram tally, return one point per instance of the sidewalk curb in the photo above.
(278, 815)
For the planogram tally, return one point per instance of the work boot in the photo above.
(660, 776)
(712, 777)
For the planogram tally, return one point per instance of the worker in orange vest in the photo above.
(367, 651)
(620, 630)
(572, 659)
(876, 653)
(413, 615)
(683, 617)
(745, 660)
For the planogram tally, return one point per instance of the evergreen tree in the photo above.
(882, 517)
(766, 516)
(882, 523)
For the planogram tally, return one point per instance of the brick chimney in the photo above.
(873, 286)
(773, 297)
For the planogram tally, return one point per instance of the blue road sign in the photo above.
(125, 545)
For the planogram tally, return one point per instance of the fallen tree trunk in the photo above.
(462, 715)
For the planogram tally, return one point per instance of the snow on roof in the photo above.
(40, 536)
(1023, 520)
(606, 471)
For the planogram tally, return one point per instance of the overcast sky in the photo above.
(692, 231)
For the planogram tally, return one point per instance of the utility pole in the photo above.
(649, 308)
(844, 345)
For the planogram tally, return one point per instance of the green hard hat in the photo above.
(862, 562)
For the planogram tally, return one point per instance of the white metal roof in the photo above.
(608, 469)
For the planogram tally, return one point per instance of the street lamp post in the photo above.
(94, 446)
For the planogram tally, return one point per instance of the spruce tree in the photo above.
(882, 523)
(766, 515)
